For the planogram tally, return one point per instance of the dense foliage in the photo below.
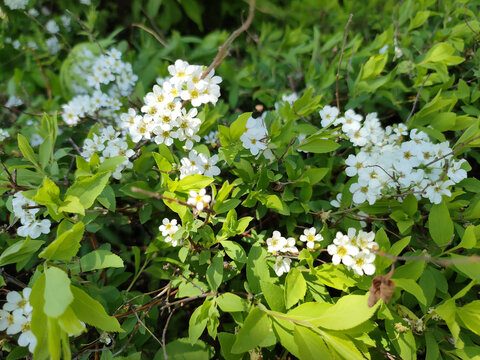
(269, 179)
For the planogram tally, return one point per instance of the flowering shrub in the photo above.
(307, 190)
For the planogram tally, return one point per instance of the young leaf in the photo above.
(66, 245)
(92, 312)
(58, 295)
(254, 330)
(440, 224)
(295, 288)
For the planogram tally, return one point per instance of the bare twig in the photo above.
(428, 258)
(222, 51)
(453, 152)
(341, 58)
(151, 32)
(164, 333)
(416, 98)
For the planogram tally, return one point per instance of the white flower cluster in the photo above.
(164, 117)
(15, 318)
(107, 70)
(354, 250)
(111, 144)
(26, 210)
(278, 243)
(199, 200)
(255, 137)
(3, 134)
(168, 229)
(387, 163)
(199, 163)
(16, 4)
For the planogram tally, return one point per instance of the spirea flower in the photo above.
(310, 236)
(199, 200)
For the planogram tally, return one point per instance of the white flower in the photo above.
(252, 140)
(35, 228)
(16, 4)
(310, 237)
(19, 302)
(341, 250)
(289, 246)
(435, 191)
(455, 172)
(276, 242)
(282, 265)
(53, 45)
(3, 134)
(328, 114)
(210, 166)
(199, 200)
(52, 27)
(168, 227)
(363, 263)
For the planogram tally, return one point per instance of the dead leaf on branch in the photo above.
(382, 288)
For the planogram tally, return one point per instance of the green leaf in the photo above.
(315, 144)
(238, 126)
(413, 288)
(193, 182)
(234, 250)
(181, 349)
(92, 312)
(345, 348)
(20, 251)
(88, 189)
(348, 312)
(295, 287)
(215, 272)
(26, 149)
(255, 329)
(470, 315)
(257, 268)
(229, 302)
(315, 175)
(198, 321)
(58, 295)
(310, 344)
(107, 198)
(469, 240)
(440, 224)
(274, 295)
(439, 52)
(72, 204)
(66, 245)
(226, 342)
(419, 19)
(100, 259)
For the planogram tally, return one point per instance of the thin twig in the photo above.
(453, 152)
(146, 328)
(428, 258)
(222, 51)
(416, 98)
(164, 332)
(151, 32)
(341, 58)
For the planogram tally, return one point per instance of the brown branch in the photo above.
(222, 51)
(341, 58)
